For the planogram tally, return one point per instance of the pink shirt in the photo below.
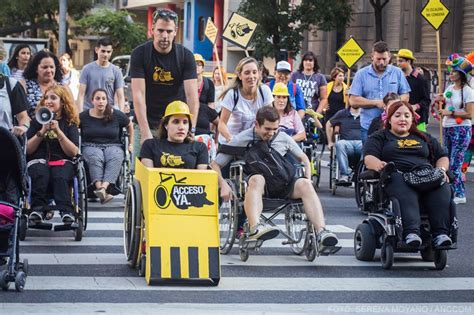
(291, 121)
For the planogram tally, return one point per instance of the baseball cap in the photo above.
(283, 66)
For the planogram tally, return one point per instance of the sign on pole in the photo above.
(239, 30)
(211, 31)
(435, 13)
(350, 52)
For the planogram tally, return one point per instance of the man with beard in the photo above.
(372, 83)
(419, 95)
(162, 72)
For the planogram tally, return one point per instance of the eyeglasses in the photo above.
(165, 14)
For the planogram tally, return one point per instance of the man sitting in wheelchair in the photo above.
(265, 134)
(409, 149)
(349, 144)
(50, 149)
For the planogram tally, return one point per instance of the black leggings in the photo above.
(435, 203)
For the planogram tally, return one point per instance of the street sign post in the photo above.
(350, 53)
(239, 31)
(435, 13)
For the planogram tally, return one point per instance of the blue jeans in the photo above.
(346, 149)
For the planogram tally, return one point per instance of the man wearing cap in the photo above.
(419, 94)
(372, 83)
(283, 75)
(162, 71)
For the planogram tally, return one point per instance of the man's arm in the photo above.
(303, 159)
(80, 97)
(405, 97)
(138, 88)
(323, 99)
(119, 94)
(226, 191)
(359, 101)
(192, 99)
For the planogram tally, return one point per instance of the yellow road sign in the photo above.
(435, 12)
(211, 31)
(350, 52)
(239, 30)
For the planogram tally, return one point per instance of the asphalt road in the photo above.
(92, 276)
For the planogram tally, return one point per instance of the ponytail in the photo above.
(108, 113)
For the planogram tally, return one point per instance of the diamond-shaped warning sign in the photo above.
(435, 12)
(211, 31)
(350, 52)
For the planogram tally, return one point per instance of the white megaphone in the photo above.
(44, 115)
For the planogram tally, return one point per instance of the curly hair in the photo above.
(69, 108)
(31, 71)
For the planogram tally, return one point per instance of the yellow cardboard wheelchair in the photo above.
(171, 232)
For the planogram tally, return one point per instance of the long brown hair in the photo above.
(237, 83)
(108, 112)
(69, 110)
(413, 128)
(163, 133)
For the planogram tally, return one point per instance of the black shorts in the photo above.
(283, 193)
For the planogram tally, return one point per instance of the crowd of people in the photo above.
(381, 117)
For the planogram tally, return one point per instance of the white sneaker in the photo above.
(459, 200)
(263, 232)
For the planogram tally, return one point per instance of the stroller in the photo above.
(13, 188)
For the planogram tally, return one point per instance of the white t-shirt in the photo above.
(455, 101)
(243, 113)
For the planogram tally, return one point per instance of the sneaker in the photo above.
(263, 232)
(413, 240)
(442, 240)
(327, 238)
(100, 193)
(459, 200)
(67, 218)
(35, 217)
(107, 198)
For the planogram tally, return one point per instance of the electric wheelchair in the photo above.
(382, 229)
(354, 164)
(300, 234)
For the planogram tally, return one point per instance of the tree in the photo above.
(281, 24)
(118, 26)
(378, 6)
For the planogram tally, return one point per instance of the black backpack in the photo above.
(261, 158)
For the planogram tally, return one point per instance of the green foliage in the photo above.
(118, 26)
(281, 25)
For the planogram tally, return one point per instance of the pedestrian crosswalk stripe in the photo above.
(257, 284)
(255, 259)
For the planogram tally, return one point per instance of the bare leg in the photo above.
(98, 184)
(312, 206)
(253, 203)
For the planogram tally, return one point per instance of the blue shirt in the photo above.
(5, 69)
(296, 100)
(368, 84)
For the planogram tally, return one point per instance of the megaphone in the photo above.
(44, 115)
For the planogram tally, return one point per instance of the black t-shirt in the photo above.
(349, 126)
(375, 125)
(175, 155)
(18, 101)
(205, 117)
(163, 77)
(207, 91)
(50, 149)
(336, 103)
(405, 152)
(97, 130)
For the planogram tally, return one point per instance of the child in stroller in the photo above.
(12, 190)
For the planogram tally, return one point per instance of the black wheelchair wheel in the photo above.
(316, 178)
(296, 227)
(4, 283)
(132, 223)
(78, 232)
(359, 188)
(228, 221)
(386, 256)
(440, 259)
(364, 243)
(243, 251)
(311, 248)
(20, 281)
(82, 205)
(142, 266)
(23, 226)
(427, 254)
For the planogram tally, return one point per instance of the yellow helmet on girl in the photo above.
(280, 89)
(177, 108)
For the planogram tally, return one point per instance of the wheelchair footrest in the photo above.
(65, 227)
(329, 250)
(343, 184)
(40, 225)
(251, 244)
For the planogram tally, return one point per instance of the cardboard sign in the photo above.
(350, 52)
(239, 30)
(211, 31)
(435, 12)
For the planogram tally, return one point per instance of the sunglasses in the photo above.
(165, 14)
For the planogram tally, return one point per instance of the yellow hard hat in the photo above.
(177, 108)
(405, 53)
(280, 89)
(198, 57)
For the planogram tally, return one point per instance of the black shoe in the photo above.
(442, 240)
(67, 218)
(413, 240)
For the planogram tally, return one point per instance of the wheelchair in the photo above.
(315, 137)
(78, 200)
(354, 162)
(299, 232)
(382, 229)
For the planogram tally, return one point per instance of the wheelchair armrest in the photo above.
(369, 174)
(237, 163)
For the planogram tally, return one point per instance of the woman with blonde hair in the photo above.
(219, 78)
(242, 99)
(337, 96)
(50, 150)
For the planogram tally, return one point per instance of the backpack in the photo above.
(261, 158)
(236, 95)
